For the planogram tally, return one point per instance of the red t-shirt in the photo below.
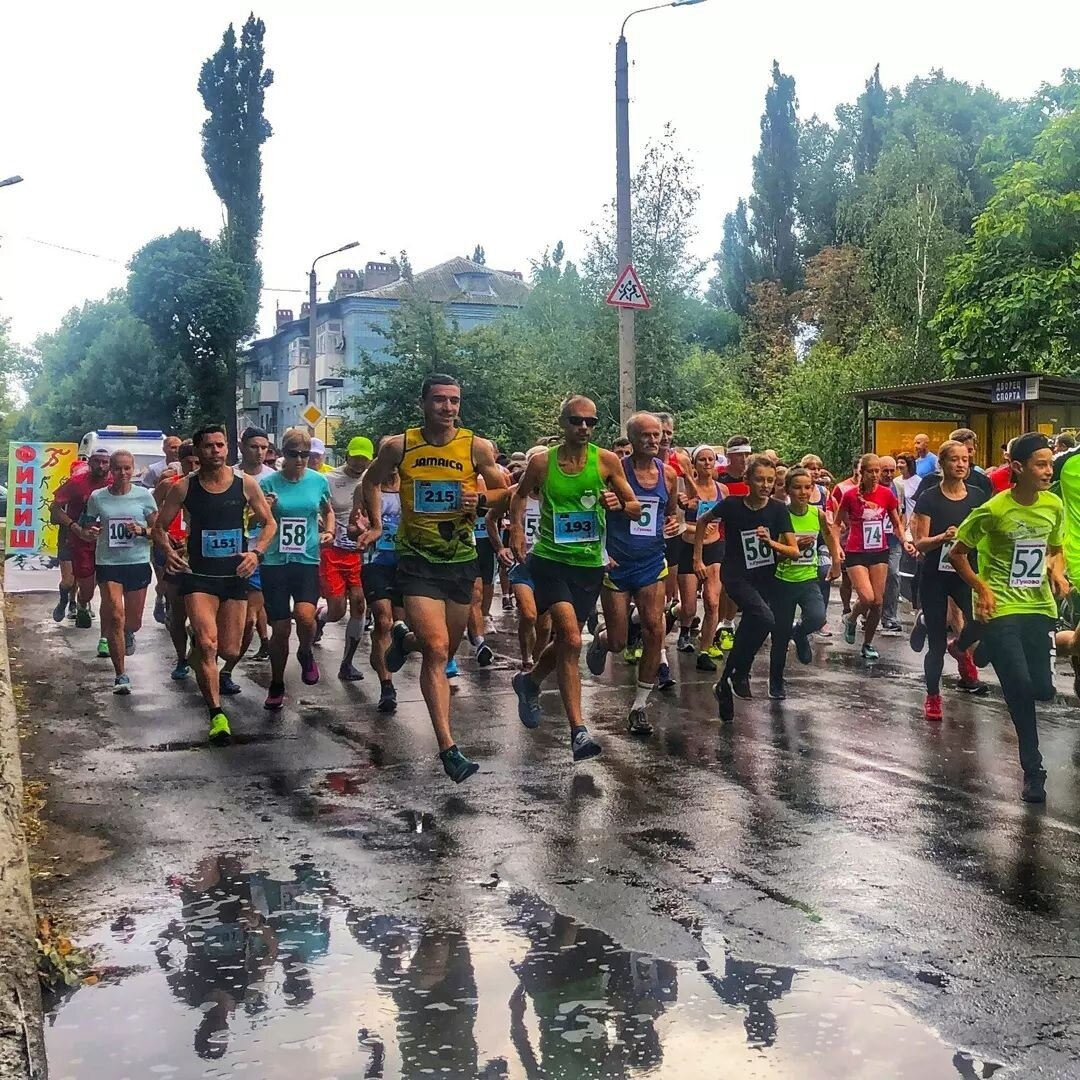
(867, 514)
(74, 493)
(1000, 478)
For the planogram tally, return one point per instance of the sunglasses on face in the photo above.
(295, 454)
(577, 421)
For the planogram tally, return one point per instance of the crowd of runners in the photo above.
(719, 547)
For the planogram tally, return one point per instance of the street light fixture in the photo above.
(313, 387)
(623, 234)
(11, 180)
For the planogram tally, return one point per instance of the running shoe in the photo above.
(60, 610)
(395, 655)
(129, 642)
(777, 690)
(705, 662)
(695, 624)
(639, 651)
(451, 668)
(489, 626)
(159, 610)
(456, 765)
(849, 630)
(628, 655)
(103, 649)
(485, 655)
(891, 630)
(181, 671)
(638, 722)
(1034, 787)
(596, 656)
(528, 697)
(973, 686)
(348, 673)
(387, 698)
(724, 639)
(715, 652)
(918, 634)
(740, 684)
(508, 603)
(83, 618)
(803, 649)
(220, 732)
(309, 670)
(263, 651)
(725, 702)
(275, 697)
(582, 745)
(228, 684)
(870, 653)
(824, 633)
(964, 664)
(593, 621)
(684, 644)
(664, 681)
(932, 707)
(121, 685)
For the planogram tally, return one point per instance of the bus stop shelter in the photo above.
(996, 407)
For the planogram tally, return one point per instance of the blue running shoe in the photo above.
(451, 668)
(528, 700)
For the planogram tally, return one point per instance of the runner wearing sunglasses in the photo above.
(577, 482)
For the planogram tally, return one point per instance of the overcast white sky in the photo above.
(427, 125)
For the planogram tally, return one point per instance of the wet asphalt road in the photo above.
(828, 888)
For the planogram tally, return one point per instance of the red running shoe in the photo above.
(932, 708)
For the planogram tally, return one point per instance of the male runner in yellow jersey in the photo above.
(438, 463)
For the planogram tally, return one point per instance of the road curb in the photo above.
(22, 1040)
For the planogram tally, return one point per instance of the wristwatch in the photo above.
(260, 555)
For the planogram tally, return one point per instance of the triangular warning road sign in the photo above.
(629, 292)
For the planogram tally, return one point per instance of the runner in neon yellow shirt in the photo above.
(1018, 535)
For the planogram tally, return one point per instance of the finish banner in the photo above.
(35, 471)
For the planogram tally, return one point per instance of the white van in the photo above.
(143, 443)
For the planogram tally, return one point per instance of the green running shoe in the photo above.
(103, 649)
(220, 732)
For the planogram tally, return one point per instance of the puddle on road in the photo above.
(251, 974)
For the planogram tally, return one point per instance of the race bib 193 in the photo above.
(576, 527)
(646, 524)
(292, 535)
(436, 496)
(1028, 564)
(756, 551)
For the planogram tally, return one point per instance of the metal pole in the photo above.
(312, 384)
(623, 234)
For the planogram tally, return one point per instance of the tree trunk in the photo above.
(229, 404)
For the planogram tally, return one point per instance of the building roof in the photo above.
(444, 284)
(974, 394)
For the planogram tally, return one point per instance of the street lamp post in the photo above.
(623, 233)
(313, 385)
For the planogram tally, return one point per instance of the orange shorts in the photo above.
(339, 571)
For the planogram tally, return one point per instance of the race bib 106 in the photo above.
(121, 532)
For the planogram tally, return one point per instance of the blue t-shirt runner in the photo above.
(296, 506)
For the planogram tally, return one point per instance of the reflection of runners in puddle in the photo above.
(755, 986)
(596, 1004)
(428, 973)
(232, 929)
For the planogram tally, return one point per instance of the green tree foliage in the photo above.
(193, 300)
(738, 263)
(101, 366)
(478, 255)
(872, 108)
(1010, 301)
(825, 180)
(233, 84)
(776, 178)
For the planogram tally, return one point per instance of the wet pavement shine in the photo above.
(826, 888)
